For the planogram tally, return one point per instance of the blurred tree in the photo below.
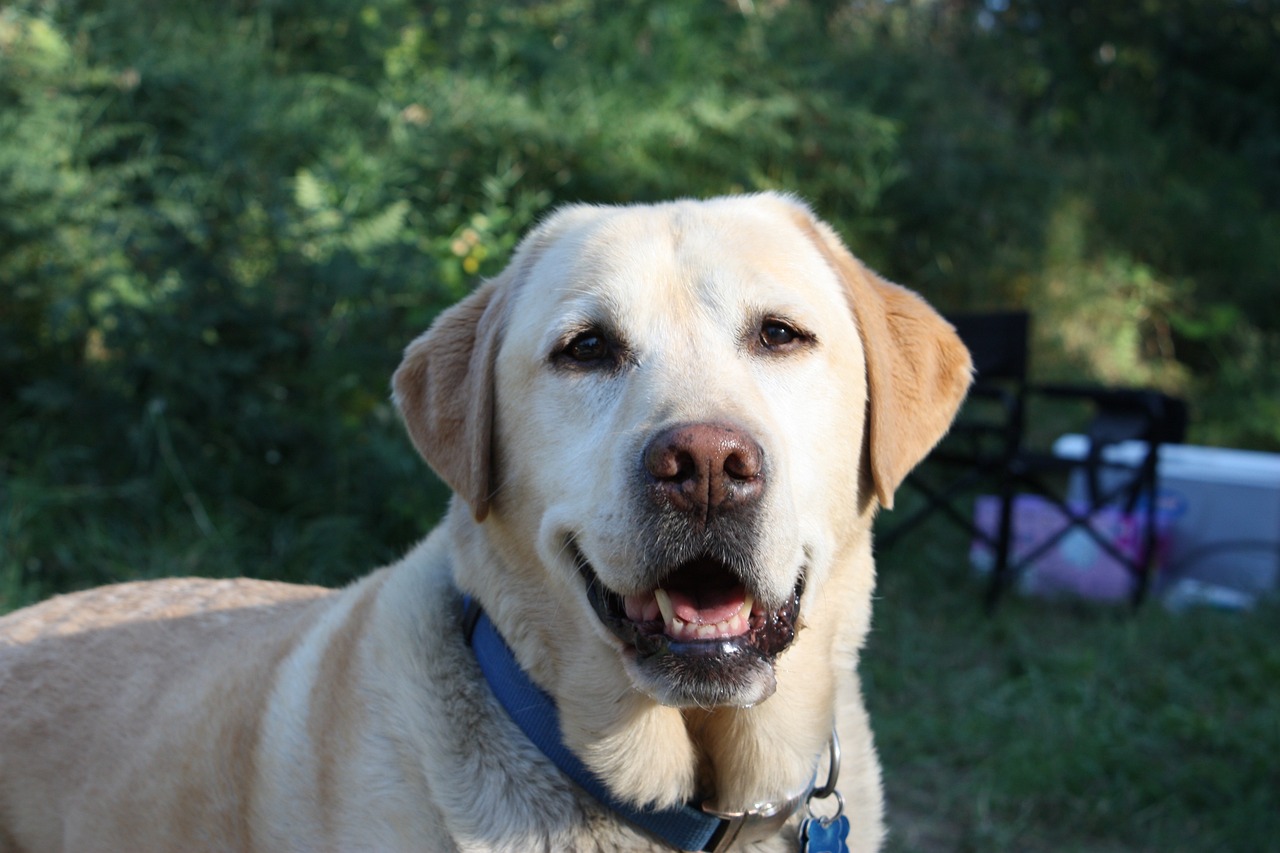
(219, 224)
(1164, 120)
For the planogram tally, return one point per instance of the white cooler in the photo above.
(1226, 509)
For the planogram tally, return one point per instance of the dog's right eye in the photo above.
(587, 349)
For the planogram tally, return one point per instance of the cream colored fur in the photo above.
(244, 715)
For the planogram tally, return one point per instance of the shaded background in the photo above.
(221, 222)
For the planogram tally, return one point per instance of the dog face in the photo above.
(682, 414)
(677, 368)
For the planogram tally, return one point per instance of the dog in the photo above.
(667, 429)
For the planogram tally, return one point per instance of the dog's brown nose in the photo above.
(702, 469)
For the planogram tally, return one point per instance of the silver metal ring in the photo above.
(833, 773)
(825, 821)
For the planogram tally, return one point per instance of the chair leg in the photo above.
(1147, 557)
(1004, 545)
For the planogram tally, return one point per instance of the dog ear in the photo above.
(444, 387)
(444, 390)
(918, 370)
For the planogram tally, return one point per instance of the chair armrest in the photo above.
(1101, 395)
(1122, 414)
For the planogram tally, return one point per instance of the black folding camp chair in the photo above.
(988, 450)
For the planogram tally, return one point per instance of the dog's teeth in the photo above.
(734, 625)
(664, 604)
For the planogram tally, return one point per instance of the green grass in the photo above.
(1068, 728)
(56, 539)
(1040, 728)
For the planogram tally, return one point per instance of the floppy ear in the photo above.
(918, 370)
(444, 390)
(444, 387)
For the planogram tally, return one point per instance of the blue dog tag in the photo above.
(825, 836)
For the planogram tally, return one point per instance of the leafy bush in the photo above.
(220, 224)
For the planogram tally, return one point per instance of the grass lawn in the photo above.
(1041, 728)
(1052, 727)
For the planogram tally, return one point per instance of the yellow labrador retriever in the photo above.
(668, 428)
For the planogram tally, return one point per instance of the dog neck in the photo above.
(685, 827)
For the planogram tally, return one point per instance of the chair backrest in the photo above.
(998, 343)
(1137, 413)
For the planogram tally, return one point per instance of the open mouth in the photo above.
(700, 609)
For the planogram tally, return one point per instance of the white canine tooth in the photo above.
(747, 603)
(664, 604)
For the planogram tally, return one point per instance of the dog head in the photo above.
(687, 410)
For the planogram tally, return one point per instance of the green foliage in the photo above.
(219, 224)
(195, 317)
(222, 225)
(1161, 122)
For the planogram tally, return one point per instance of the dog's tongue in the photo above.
(702, 602)
(694, 614)
(707, 606)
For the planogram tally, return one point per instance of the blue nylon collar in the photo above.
(685, 827)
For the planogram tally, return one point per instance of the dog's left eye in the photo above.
(780, 336)
(588, 347)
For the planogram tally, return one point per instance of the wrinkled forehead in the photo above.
(677, 263)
